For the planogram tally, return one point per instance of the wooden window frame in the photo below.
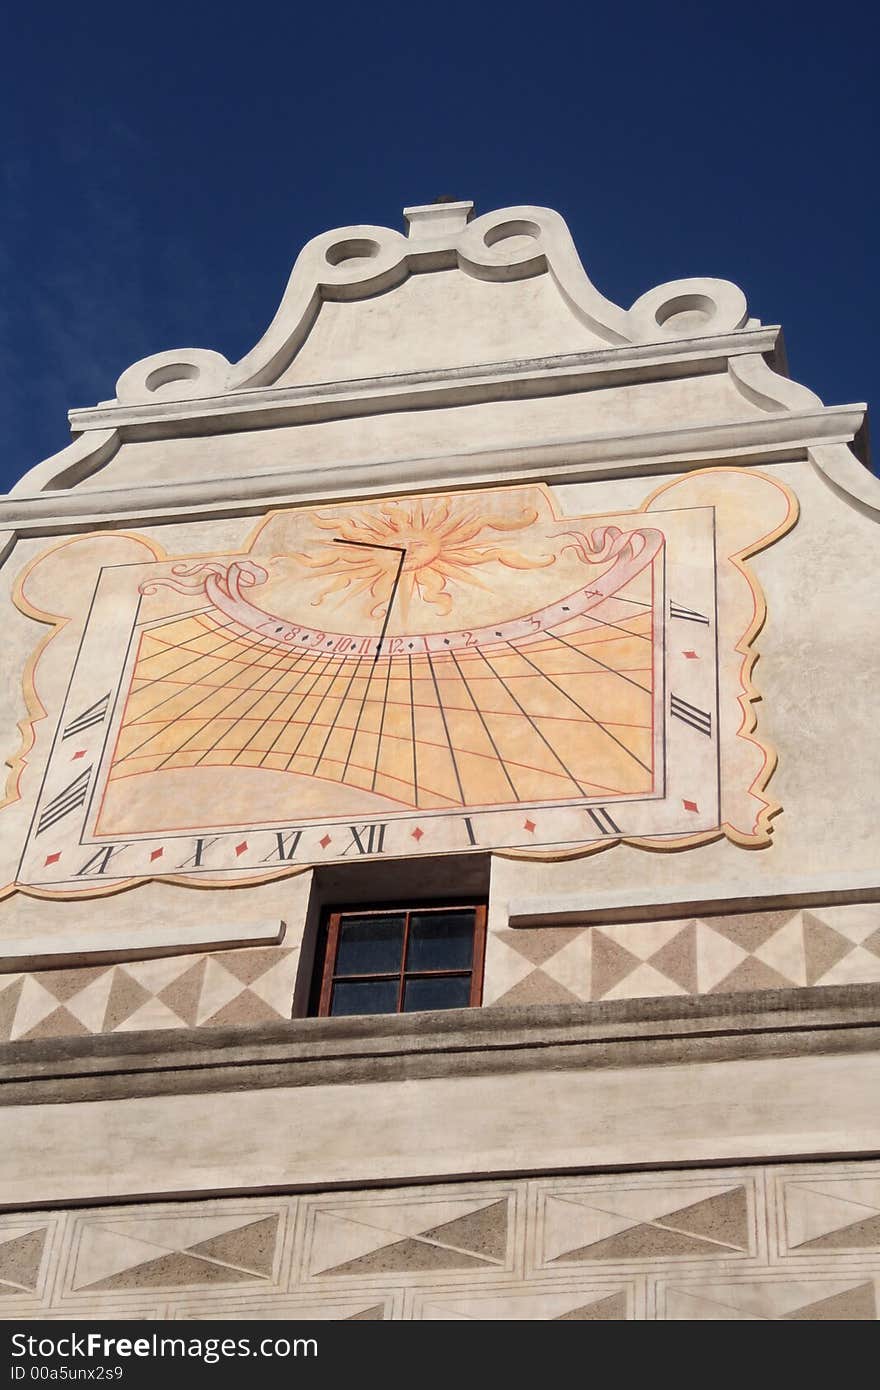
(324, 976)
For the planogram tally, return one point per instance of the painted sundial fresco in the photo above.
(420, 675)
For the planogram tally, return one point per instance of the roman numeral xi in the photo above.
(689, 714)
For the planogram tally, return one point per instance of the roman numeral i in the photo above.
(690, 615)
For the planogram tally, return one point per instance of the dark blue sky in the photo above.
(164, 164)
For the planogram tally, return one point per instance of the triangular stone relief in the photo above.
(20, 1258)
(610, 1309)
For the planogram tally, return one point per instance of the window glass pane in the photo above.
(370, 945)
(364, 997)
(441, 940)
(443, 992)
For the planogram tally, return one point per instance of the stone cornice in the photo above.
(764, 439)
(35, 952)
(736, 893)
(462, 1042)
(262, 407)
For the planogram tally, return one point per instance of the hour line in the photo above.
(569, 774)
(382, 724)
(261, 651)
(321, 698)
(445, 726)
(487, 731)
(579, 706)
(357, 723)
(286, 723)
(219, 715)
(332, 727)
(232, 642)
(316, 656)
(288, 670)
(620, 674)
(412, 713)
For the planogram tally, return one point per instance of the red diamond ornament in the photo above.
(324, 841)
(156, 854)
(417, 833)
(690, 805)
(53, 858)
(240, 849)
(529, 825)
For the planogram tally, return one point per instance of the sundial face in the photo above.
(428, 675)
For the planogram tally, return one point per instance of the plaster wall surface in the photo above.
(428, 1128)
(436, 321)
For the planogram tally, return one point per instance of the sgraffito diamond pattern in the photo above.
(235, 988)
(530, 965)
(785, 1242)
(698, 955)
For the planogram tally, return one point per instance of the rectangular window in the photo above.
(400, 959)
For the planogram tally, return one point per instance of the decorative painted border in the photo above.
(749, 695)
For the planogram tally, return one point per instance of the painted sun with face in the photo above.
(444, 541)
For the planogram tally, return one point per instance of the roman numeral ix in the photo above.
(689, 714)
(66, 801)
(89, 717)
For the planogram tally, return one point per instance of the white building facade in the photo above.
(439, 866)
